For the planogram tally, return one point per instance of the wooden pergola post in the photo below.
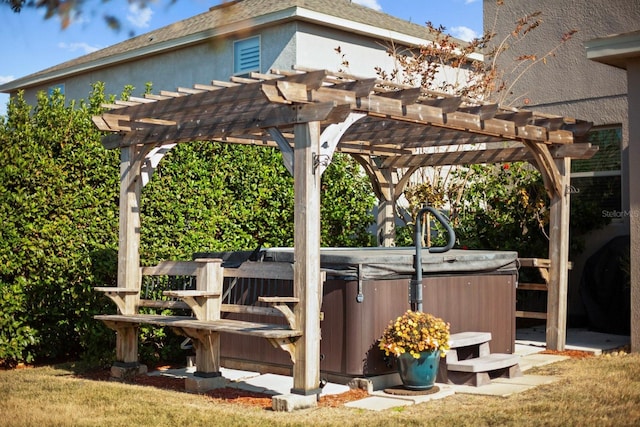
(307, 288)
(556, 332)
(387, 191)
(129, 275)
(386, 227)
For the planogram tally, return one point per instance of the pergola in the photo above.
(311, 114)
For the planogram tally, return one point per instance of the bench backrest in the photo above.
(242, 285)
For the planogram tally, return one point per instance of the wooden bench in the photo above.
(542, 266)
(203, 307)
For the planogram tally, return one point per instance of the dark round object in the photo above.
(402, 391)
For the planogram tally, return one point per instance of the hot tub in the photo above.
(368, 287)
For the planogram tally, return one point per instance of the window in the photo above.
(597, 182)
(246, 55)
(53, 88)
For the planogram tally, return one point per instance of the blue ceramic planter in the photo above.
(419, 374)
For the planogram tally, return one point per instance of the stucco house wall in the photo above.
(633, 72)
(282, 47)
(180, 56)
(571, 85)
(622, 50)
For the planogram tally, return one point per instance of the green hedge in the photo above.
(59, 192)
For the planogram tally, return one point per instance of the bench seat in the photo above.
(239, 327)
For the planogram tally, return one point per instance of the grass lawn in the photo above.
(596, 391)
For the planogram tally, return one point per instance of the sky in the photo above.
(31, 43)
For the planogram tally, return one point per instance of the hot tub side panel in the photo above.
(352, 340)
(478, 303)
(482, 303)
(349, 332)
(350, 329)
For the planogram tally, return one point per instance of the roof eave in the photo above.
(157, 48)
(370, 30)
(283, 15)
(614, 50)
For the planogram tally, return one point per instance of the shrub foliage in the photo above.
(59, 191)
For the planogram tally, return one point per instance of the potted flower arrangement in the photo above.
(417, 340)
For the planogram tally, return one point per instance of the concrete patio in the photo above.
(529, 345)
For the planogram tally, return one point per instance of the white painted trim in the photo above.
(152, 160)
(596, 174)
(358, 28)
(331, 136)
(615, 49)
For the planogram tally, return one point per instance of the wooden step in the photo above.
(491, 362)
(466, 339)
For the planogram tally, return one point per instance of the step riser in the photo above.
(466, 339)
(465, 353)
(484, 364)
(470, 362)
(477, 379)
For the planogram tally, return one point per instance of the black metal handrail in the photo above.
(416, 284)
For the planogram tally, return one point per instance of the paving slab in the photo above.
(173, 373)
(577, 339)
(494, 389)
(533, 380)
(253, 381)
(230, 374)
(526, 350)
(237, 375)
(380, 401)
(266, 383)
(504, 387)
(539, 359)
(280, 384)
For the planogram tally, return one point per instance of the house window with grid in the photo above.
(597, 182)
(246, 55)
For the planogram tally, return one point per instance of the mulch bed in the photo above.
(227, 394)
(574, 354)
(262, 400)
